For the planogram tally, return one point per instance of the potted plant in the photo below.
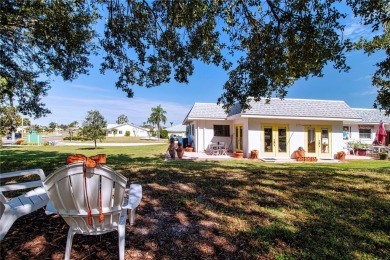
(362, 149)
(324, 147)
(238, 154)
(189, 148)
(359, 147)
(384, 155)
(180, 150)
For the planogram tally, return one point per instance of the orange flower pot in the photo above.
(238, 155)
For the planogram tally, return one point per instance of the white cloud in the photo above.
(69, 109)
(91, 88)
(354, 29)
(369, 92)
(364, 78)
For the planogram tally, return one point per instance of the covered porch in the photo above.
(209, 157)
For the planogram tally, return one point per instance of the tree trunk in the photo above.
(95, 144)
(13, 137)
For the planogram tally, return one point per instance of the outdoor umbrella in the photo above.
(381, 133)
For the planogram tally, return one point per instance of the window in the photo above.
(346, 132)
(221, 130)
(365, 133)
(120, 132)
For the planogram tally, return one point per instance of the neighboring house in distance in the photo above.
(121, 130)
(366, 129)
(178, 130)
(275, 129)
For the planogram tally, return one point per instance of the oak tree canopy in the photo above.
(265, 46)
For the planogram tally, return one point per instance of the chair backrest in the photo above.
(66, 189)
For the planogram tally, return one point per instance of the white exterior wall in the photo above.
(253, 134)
(296, 136)
(354, 135)
(133, 131)
(204, 134)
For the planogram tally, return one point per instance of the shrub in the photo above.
(75, 138)
(127, 133)
(164, 134)
(20, 142)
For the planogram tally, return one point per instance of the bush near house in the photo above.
(127, 133)
(164, 134)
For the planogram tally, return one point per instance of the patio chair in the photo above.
(210, 148)
(14, 208)
(214, 149)
(223, 148)
(91, 201)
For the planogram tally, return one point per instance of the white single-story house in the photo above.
(178, 130)
(366, 129)
(115, 130)
(276, 129)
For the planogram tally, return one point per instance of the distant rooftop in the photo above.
(176, 128)
(110, 126)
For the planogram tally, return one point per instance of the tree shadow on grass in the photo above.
(211, 209)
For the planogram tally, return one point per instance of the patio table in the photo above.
(217, 147)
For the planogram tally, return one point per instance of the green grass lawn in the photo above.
(223, 210)
(128, 139)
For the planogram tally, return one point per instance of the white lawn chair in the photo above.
(223, 148)
(214, 149)
(105, 188)
(11, 210)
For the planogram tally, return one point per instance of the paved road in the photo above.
(60, 143)
(104, 144)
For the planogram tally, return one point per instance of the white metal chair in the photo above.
(102, 190)
(214, 149)
(223, 148)
(209, 148)
(350, 149)
(11, 210)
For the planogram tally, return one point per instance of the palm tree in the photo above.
(157, 116)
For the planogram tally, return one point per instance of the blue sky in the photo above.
(70, 101)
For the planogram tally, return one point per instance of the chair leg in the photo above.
(134, 200)
(69, 241)
(7, 219)
(121, 240)
(131, 213)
